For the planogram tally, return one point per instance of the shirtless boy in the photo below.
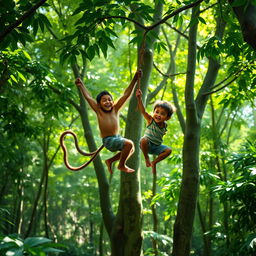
(107, 112)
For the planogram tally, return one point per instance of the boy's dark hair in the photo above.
(98, 98)
(165, 105)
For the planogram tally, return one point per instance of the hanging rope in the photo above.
(92, 154)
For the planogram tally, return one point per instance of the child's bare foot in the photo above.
(125, 169)
(109, 165)
(148, 163)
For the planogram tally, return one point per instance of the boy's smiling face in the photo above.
(160, 115)
(106, 103)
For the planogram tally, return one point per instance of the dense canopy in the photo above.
(198, 55)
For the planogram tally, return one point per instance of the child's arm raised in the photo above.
(141, 107)
(86, 94)
(128, 91)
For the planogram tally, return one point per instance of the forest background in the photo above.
(198, 55)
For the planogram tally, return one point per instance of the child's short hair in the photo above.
(98, 98)
(165, 105)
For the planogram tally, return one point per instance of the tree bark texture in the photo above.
(127, 232)
(105, 203)
(194, 112)
(35, 205)
(154, 216)
(189, 187)
(246, 15)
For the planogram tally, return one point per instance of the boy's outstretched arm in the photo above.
(86, 94)
(141, 107)
(128, 90)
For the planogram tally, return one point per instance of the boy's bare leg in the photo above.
(125, 154)
(110, 161)
(160, 157)
(144, 149)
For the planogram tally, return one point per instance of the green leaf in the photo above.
(134, 40)
(237, 3)
(110, 31)
(84, 55)
(109, 41)
(52, 250)
(41, 24)
(101, 2)
(202, 20)
(79, 9)
(64, 56)
(180, 21)
(14, 78)
(45, 20)
(97, 49)
(90, 52)
(104, 48)
(26, 54)
(21, 76)
(18, 252)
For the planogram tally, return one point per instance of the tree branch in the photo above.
(208, 93)
(175, 13)
(181, 33)
(148, 28)
(208, 7)
(76, 106)
(21, 19)
(236, 74)
(167, 75)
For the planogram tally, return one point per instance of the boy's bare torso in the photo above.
(108, 122)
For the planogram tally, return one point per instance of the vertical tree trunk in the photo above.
(194, 113)
(127, 231)
(204, 228)
(33, 213)
(20, 201)
(246, 15)
(101, 252)
(220, 170)
(105, 203)
(189, 187)
(154, 216)
(45, 195)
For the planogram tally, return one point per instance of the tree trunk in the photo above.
(20, 200)
(154, 215)
(126, 237)
(105, 203)
(246, 15)
(189, 187)
(101, 252)
(46, 172)
(33, 214)
(204, 228)
(194, 112)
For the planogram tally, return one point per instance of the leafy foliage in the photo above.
(165, 243)
(240, 192)
(13, 10)
(16, 246)
(37, 93)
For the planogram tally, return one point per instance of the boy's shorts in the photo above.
(113, 143)
(154, 149)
